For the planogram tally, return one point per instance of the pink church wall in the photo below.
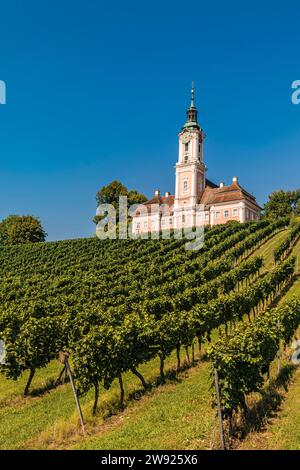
(184, 179)
(240, 212)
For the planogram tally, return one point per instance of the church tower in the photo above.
(190, 169)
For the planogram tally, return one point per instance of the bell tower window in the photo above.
(186, 152)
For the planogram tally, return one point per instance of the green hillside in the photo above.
(149, 296)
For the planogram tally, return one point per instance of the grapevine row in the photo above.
(243, 358)
(283, 250)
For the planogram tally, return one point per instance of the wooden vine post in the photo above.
(64, 359)
(221, 428)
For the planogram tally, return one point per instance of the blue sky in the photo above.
(98, 91)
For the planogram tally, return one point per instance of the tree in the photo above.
(16, 229)
(282, 203)
(110, 195)
(134, 197)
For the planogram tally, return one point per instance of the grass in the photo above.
(280, 425)
(22, 419)
(177, 415)
(283, 431)
(267, 249)
(49, 419)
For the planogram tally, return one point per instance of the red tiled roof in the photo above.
(165, 203)
(231, 193)
(169, 200)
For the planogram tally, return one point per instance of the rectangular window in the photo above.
(226, 214)
(235, 212)
(217, 215)
(186, 147)
(206, 216)
(170, 221)
(183, 219)
(185, 185)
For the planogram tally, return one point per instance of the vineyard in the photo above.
(128, 311)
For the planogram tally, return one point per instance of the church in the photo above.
(197, 200)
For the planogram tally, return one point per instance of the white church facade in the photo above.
(197, 201)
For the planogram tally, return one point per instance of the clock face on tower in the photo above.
(186, 137)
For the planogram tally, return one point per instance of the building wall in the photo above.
(220, 214)
(242, 212)
(155, 222)
(185, 217)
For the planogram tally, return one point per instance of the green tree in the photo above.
(16, 229)
(110, 195)
(282, 203)
(134, 197)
